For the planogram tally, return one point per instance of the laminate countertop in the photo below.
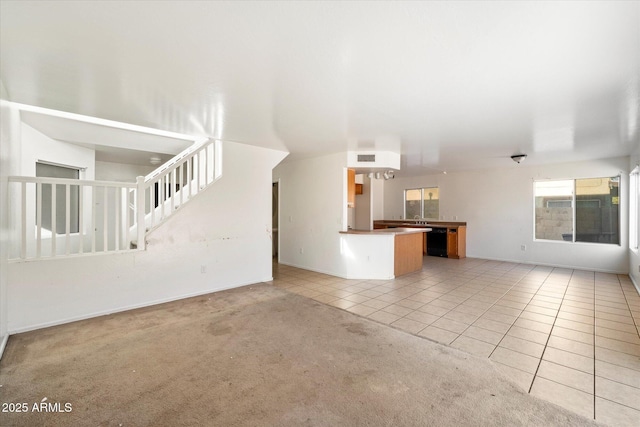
(387, 231)
(408, 223)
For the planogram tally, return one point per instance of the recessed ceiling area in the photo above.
(110, 142)
(451, 85)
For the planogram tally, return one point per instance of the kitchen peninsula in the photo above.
(382, 254)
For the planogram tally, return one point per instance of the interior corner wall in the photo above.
(634, 257)
(313, 209)
(219, 240)
(497, 205)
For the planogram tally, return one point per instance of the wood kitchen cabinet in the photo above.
(457, 242)
(456, 234)
(351, 188)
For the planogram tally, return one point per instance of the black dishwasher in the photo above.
(437, 242)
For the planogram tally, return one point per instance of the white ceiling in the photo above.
(451, 85)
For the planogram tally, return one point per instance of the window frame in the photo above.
(574, 203)
(421, 189)
(634, 209)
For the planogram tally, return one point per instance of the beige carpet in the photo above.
(255, 356)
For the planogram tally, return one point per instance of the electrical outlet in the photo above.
(203, 269)
(301, 250)
(523, 247)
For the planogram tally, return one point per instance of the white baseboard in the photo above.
(635, 284)
(572, 267)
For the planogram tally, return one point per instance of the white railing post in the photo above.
(140, 214)
(67, 219)
(39, 220)
(81, 189)
(23, 220)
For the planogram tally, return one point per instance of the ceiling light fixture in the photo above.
(390, 174)
(518, 158)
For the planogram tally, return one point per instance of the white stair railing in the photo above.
(167, 188)
(57, 217)
(61, 217)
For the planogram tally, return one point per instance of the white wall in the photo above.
(498, 208)
(120, 172)
(363, 219)
(37, 146)
(377, 199)
(219, 240)
(5, 238)
(368, 256)
(9, 161)
(313, 209)
(634, 257)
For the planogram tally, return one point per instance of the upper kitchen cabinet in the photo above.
(351, 188)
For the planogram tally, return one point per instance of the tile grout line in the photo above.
(483, 313)
(467, 299)
(551, 331)
(439, 317)
(521, 311)
(459, 304)
(628, 307)
(511, 324)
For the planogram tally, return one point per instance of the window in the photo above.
(580, 210)
(422, 203)
(54, 171)
(634, 207)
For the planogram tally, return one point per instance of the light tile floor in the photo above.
(567, 336)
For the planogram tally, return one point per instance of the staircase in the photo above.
(82, 217)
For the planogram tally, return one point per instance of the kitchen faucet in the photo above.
(418, 218)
